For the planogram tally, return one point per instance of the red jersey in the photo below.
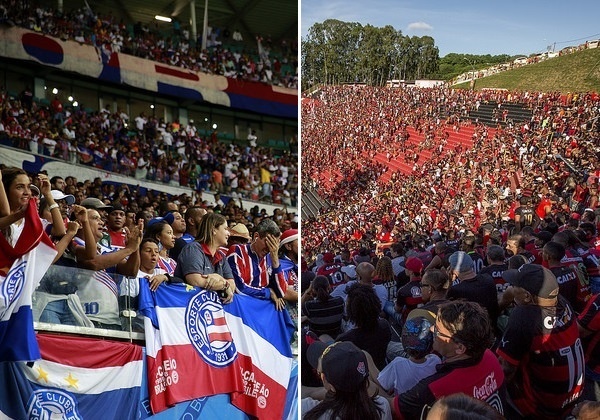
(543, 343)
(589, 318)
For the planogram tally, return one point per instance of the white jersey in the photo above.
(99, 291)
(401, 374)
(130, 286)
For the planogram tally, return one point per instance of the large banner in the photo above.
(76, 378)
(262, 336)
(22, 44)
(190, 351)
(197, 347)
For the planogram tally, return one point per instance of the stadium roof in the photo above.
(275, 18)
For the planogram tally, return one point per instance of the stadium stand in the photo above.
(118, 139)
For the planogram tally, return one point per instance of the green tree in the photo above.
(342, 52)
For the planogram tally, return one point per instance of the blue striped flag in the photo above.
(77, 378)
(21, 269)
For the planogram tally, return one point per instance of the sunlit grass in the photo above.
(577, 72)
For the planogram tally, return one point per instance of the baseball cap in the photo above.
(575, 216)
(169, 218)
(239, 230)
(349, 270)
(343, 364)
(461, 261)
(95, 203)
(117, 206)
(417, 336)
(414, 264)
(154, 221)
(534, 278)
(328, 257)
(288, 236)
(59, 195)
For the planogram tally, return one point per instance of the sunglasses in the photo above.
(437, 333)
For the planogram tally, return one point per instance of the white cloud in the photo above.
(419, 26)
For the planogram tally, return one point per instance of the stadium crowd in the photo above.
(267, 63)
(493, 251)
(120, 236)
(146, 147)
(455, 189)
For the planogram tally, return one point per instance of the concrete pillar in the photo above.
(38, 87)
(194, 30)
(183, 116)
(205, 25)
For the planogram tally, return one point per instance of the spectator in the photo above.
(162, 232)
(239, 235)
(478, 288)
(203, 263)
(330, 269)
(496, 266)
(462, 406)
(255, 266)
(384, 274)
(462, 336)
(440, 259)
(115, 224)
(345, 373)
(371, 333)
(409, 295)
(589, 331)
(193, 217)
(397, 253)
(288, 257)
(434, 288)
(566, 277)
(401, 374)
(320, 310)
(99, 292)
(129, 289)
(177, 222)
(535, 387)
(364, 272)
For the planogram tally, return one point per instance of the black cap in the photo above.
(117, 206)
(544, 236)
(343, 364)
(534, 278)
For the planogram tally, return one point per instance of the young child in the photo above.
(403, 373)
(130, 287)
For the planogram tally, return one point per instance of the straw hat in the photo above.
(239, 230)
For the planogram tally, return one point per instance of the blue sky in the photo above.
(467, 26)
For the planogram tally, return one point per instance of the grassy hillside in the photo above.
(577, 72)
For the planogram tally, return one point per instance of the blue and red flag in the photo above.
(77, 378)
(21, 269)
(197, 347)
(262, 337)
(190, 349)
